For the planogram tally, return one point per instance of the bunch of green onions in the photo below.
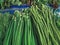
(45, 21)
(34, 26)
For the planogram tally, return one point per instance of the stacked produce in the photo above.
(37, 25)
(33, 27)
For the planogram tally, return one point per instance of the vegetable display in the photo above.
(37, 25)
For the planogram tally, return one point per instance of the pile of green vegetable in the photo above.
(34, 26)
